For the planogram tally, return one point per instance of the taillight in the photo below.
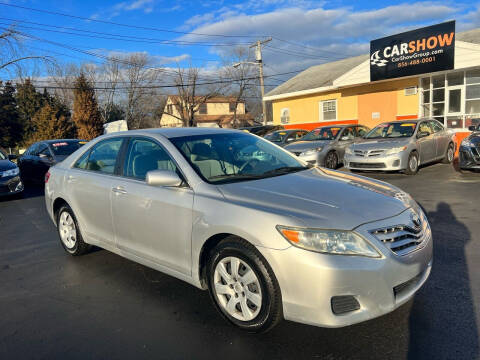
(47, 176)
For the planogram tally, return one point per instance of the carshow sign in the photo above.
(419, 51)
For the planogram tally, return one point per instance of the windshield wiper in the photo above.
(286, 170)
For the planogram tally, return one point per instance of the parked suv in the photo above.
(325, 146)
(269, 237)
(401, 145)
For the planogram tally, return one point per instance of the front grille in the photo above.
(401, 239)
(367, 165)
(407, 285)
(372, 153)
(344, 304)
(368, 153)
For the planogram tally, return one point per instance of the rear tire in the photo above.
(412, 164)
(243, 287)
(69, 232)
(449, 154)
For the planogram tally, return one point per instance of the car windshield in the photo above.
(323, 133)
(392, 130)
(277, 136)
(232, 157)
(63, 148)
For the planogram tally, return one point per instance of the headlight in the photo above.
(311, 151)
(349, 151)
(11, 172)
(466, 143)
(395, 150)
(328, 241)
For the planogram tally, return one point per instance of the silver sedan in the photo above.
(257, 232)
(325, 146)
(402, 146)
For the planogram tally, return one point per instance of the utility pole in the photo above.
(258, 58)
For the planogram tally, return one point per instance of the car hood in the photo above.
(305, 145)
(321, 198)
(6, 165)
(379, 144)
(474, 138)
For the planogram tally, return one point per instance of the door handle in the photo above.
(119, 190)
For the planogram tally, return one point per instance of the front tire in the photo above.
(412, 164)
(243, 286)
(331, 160)
(69, 232)
(449, 154)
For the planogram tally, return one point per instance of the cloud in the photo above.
(146, 6)
(311, 34)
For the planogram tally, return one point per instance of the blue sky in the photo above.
(305, 32)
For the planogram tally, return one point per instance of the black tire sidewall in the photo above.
(263, 320)
(409, 171)
(76, 250)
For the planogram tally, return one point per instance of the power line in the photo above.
(122, 24)
(110, 36)
(307, 46)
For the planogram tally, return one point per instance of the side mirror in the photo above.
(163, 178)
(422, 134)
(12, 157)
(472, 128)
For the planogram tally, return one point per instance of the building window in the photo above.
(202, 109)
(328, 110)
(232, 107)
(169, 109)
(285, 116)
(452, 98)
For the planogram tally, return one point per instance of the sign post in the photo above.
(419, 51)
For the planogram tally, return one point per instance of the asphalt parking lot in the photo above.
(102, 306)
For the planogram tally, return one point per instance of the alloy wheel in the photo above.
(67, 230)
(413, 163)
(331, 161)
(450, 154)
(237, 288)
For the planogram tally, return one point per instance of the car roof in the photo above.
(176, 132)
(53, 141)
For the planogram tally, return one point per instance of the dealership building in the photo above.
(430, 72)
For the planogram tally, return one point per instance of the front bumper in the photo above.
(316, 158)
(10, 185)
(394, 162)
(309, 281)
(469, 157)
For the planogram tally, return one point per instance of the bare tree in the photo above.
(63, 76)
(191, 94)
(12, 54)
(241, 72)
(138, 77)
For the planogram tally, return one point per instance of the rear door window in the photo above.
(145, 155)
(103, 156)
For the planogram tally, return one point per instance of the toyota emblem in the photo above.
(415, 219)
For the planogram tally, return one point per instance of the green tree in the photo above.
(10, 126)
(50, 122)
(29, 101)
(86, 114)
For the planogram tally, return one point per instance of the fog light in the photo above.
(344, 304)
(396, 163)
(19, 186)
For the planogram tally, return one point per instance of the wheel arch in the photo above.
(207, 246)
(57, 204)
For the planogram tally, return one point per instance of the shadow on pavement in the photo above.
(442, 321)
